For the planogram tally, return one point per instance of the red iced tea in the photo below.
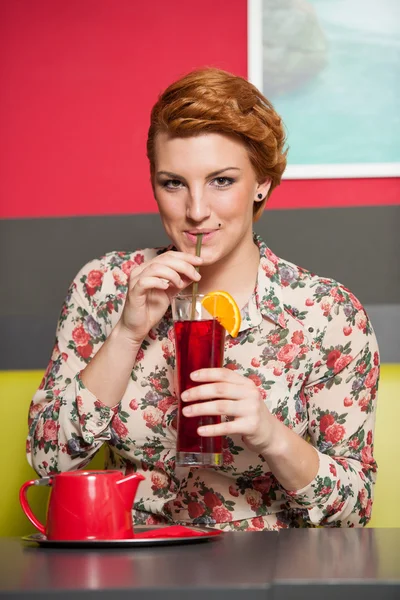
(199, 345)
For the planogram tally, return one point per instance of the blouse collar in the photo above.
(266, 300)
(269, 290)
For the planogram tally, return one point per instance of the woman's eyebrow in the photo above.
(213, 174)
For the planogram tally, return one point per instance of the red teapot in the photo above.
(86, 505)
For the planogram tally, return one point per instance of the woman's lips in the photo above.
(206, 236)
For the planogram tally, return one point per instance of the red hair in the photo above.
(212, 100)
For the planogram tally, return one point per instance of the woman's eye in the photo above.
(223, 182)
(172, 184)
(219, 182)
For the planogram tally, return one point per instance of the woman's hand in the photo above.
(151, 288)
(233, 395)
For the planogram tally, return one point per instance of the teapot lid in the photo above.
(87, 472)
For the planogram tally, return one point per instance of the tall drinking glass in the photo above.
(199, 344)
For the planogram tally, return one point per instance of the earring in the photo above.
(259, 196)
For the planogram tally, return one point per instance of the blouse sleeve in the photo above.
(67, 423)
(341, 401)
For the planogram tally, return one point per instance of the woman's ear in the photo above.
(263, 189)
(261, 198)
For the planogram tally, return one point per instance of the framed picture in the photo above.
(331, 68)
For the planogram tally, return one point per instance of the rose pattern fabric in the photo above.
(307, 344)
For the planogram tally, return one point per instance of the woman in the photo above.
(299, 383)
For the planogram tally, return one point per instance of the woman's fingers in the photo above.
(230, 408)
(183, 266)
(145, 284)
(221, 374)
(209, 391)
(178, 272)
(238, 426)
(163, 272)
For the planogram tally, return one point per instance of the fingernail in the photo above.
(194, 375)
(184, 396)
(202, 430)
(198, 259)
(187, 410)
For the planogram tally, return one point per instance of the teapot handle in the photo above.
(25, 504)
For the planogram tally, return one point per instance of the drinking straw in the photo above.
(195, 285)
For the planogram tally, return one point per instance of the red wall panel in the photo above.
(328, 193)
(78, 80)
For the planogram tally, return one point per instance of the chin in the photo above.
(212, 255)
(210, 252)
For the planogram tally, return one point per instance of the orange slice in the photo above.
(223, 307)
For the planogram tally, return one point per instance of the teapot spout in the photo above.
(128, 486)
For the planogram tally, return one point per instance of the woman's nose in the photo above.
(197, 208)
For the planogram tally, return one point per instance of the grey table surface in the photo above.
(332, 564)
(305, 563)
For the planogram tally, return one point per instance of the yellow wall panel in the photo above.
(17, 388)
(16, 391)
(385, 512)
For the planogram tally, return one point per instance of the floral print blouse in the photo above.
(307, 344)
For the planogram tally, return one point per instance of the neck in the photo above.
(235, 273)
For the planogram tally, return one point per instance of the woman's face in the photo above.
(206, 184)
